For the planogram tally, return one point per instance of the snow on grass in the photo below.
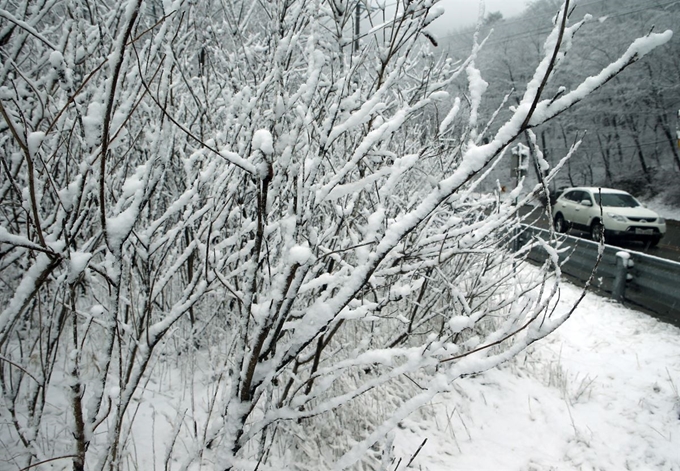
(600, 393)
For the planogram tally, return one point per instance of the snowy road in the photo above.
(599, 394)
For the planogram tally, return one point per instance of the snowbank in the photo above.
(600, 393)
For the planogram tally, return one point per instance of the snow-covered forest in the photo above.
(270, 218)
(628, 129)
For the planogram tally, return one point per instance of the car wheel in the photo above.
(560, 224)
(654, 242)
(596, 231)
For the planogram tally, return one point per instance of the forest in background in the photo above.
(628, 128)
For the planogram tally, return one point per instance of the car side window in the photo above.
(570, 195)
(575, 196)
(586, 197)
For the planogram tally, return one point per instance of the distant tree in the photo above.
(493, 18)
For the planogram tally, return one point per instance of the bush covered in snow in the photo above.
(239, 207)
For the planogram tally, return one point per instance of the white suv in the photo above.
(621, 215)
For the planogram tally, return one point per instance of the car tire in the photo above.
(560, 223)
(655, 241)
(596, 231)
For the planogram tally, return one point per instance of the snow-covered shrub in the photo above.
(222, 217)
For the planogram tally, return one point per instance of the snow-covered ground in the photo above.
(599, 394)
(664, 209)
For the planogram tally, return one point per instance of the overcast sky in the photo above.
(460, 13)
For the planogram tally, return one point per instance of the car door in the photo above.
(567, 205)
(582, 211)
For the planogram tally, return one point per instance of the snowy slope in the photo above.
(599, 394)
(664, 209)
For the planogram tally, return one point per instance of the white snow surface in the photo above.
(263, 140)
(299, 254)
(77, 265)
(601, 393)
(663, 209)
(623, 254)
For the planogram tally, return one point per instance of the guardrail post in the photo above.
(619, 287)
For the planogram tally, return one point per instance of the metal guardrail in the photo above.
(648, 282)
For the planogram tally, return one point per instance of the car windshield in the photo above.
(617, 200)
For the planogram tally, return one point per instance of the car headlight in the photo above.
(617, 217)
(661, 221)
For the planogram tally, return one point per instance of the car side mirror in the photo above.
(586, 203)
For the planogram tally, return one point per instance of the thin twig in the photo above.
(31, 175)
(108, 115)
(47, 461)
(551, 66)
(7, 360)
(416, 453)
